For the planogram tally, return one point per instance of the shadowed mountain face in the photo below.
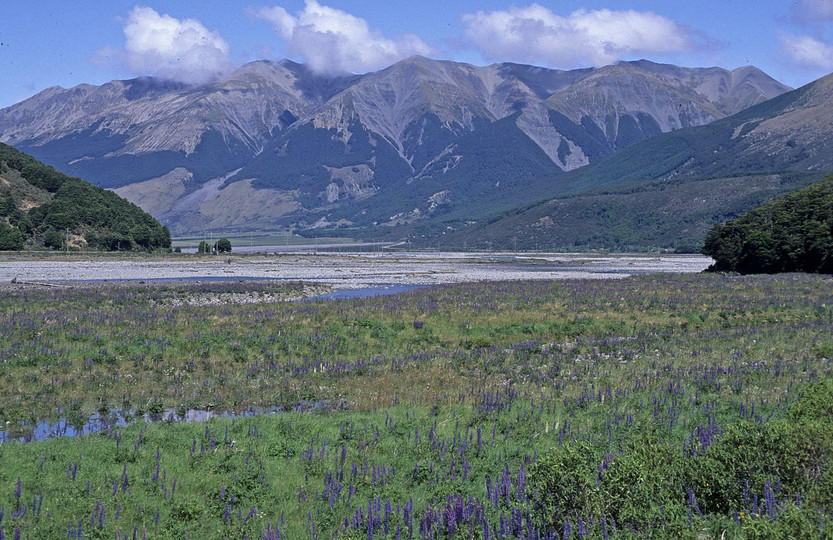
(276, 145)
(668, 191)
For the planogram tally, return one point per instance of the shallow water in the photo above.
(98, 422)
(365, 292)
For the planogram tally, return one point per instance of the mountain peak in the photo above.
(322, 143)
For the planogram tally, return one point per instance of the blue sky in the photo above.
(45, 43)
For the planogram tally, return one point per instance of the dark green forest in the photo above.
(43, 208)
(790, 234)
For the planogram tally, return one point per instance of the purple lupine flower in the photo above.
(124, 481)
(692, 503)
(252, 512)
(520, 492)
(388, 510)
(769, 499)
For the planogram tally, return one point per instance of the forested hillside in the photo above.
(791, 234)
(43, 208)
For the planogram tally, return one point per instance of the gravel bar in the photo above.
(342, 270)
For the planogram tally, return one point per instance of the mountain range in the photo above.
(420, 146)
(668, 191)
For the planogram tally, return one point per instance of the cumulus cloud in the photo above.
(182, 50)
(534, 34)
(330, 40)
(807, 51)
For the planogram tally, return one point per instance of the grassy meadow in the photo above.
(661, 406)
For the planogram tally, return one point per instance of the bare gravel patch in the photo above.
(339, 271)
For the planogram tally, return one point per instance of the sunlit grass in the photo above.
(528, 369)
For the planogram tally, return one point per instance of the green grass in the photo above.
(663, 404)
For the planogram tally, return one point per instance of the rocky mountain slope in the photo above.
(275, 145)
(667, 191)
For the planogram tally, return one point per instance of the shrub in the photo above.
(795, 453)
(646, 485)
(564, 485)
(11, 239)
(53, 239)
(816, 402)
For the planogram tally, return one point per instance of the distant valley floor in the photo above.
(344, 270)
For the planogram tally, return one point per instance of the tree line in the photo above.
(790, 234)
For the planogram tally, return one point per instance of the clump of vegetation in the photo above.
(792, 234)
(67, 212)
(223, 245)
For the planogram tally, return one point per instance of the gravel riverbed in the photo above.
(341, 270)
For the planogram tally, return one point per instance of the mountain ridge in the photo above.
(358, 136)
(695, 177)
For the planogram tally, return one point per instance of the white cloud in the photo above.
(813, 10)
(534, 34)
(331, 40)
(807, 51)
(182, 50)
